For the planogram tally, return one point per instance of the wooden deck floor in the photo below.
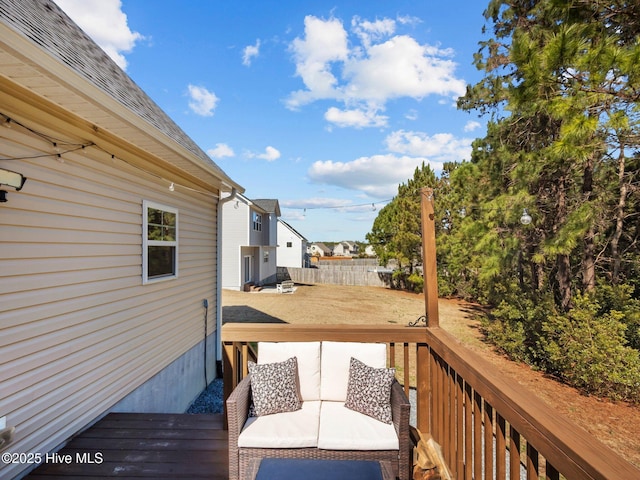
(145, 446)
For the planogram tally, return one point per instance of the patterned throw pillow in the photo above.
(274, 387)
(369, 390)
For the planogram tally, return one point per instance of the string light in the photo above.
(340, 207)
(59, 152)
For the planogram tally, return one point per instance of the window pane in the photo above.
(154, 232)
(154, 216)
(161, 261)
(169, 219)
(169, 234)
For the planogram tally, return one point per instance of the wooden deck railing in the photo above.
(488, 426)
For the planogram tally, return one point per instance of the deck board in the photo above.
(134, 445)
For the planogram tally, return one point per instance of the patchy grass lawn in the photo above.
(615, 424)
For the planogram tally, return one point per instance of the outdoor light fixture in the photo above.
(12, 179)
(525, 219)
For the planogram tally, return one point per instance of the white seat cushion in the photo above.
(336, 358)
(308, 356)
(344, 429)
(297, 429)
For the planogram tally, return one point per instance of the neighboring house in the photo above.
(345, 249)
(319, 250)
(292, 247)
(369, 251)
(109, 297)
(249, 242)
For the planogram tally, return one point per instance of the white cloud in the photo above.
(203, 102)
(471, 126)
(222, 150)
(378, 176)
(106, 23)
(368, 69)
(411, 114)
(355, 118)
(371, 31)
(270, 154)
(401, 67)
(249, 52)
(325, 42)
(441, 147)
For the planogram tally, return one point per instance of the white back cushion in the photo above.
(336, 357)
(308, 355)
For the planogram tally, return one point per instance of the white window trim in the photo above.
(147, 243)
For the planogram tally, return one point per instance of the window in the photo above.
(289, 244)
(257, 222)
(159, 242)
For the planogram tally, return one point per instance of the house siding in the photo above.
(78, 329)
(235, 223)
(289, 256)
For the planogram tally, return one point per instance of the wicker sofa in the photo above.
(323, 427)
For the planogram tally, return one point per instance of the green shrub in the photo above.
(515, 325)
(620, 298)
(588, 349)
(415, 282)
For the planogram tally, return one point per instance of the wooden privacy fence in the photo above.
(488, 426)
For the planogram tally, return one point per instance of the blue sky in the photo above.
(326, 106)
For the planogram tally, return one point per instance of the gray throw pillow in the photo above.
(274, 387)
(369, 390)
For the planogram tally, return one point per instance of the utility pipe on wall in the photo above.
(221, 203)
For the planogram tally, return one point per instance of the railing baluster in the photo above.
(532, 463)
(442, 411)
(551, 472)
(392, 355)
(477, 435)
(501, 447)
(433, 365)
(245, 359)
(451, 429)
(468, 433)
(423, 388)
(458, 466)
(514, 453)
(488, 441)
(407, 369)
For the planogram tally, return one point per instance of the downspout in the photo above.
(221, 203)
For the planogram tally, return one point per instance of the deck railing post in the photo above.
(429, 267)
(423, 389)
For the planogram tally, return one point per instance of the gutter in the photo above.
(221, 203)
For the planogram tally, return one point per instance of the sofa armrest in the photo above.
(400, 410)
(400, 407)
(238, 406)
(237, 413)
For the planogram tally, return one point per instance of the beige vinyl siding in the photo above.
(78, 329)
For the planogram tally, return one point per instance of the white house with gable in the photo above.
(292, 247)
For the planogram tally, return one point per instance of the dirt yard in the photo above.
(615, 424)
